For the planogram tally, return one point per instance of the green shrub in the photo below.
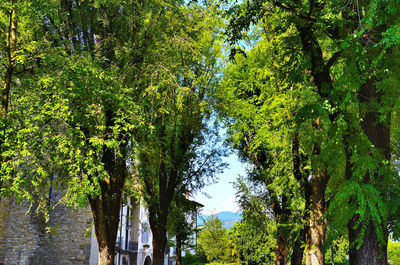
(219, 263)
(394, 253)
(197, 259)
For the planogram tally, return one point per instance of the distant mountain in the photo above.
(227, 218)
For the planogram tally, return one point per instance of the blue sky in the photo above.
(222, 194)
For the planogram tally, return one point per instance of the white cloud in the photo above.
(229, 205)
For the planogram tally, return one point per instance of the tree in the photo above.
(393, 252)
(270, 118)
(315, 30)
(255, 236)
(337, 252)
(78, 106)
(16, 47)
(180, 224)
(215, 241)
(86, 104)
(177, 152)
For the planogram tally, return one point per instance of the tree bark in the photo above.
(281, 252)
(159, 243)
(106, 234)
(11, 46)
(281, 213)
(315, 230)
(315, 206)
(106, 219)
(106, 207)
(298, 251)
(178, 249)
(372, 250)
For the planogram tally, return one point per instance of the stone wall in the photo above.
(25, 239)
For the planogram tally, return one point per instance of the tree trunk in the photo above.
(320, 71)
(11, 46)
(282, 214)
(315, 229)
(378, 133)
(302, 178)
(297, 253)
(106, 207)
(106, 221)
(159, 244)
(371, 251)
(281, 252)
(178, 249)
(106, 255)
(315, 239)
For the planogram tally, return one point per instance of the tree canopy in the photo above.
(102, 98)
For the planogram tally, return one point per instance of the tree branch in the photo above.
(294, 10)
(332, 60)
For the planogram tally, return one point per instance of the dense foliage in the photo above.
(105, 92)
(394, 252)
(103, 97)
(314, 91)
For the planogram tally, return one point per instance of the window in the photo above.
(124, 261)
(145, 232)
(129, 217)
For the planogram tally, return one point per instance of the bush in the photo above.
(197, 259)
(219, 263)
(394, 253)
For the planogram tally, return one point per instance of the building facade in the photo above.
(26, 239)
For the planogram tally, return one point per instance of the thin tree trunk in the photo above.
(281, 251)
(11, 46)
(298, 251)
(281, 213)
(298, 246)
(178, 249)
